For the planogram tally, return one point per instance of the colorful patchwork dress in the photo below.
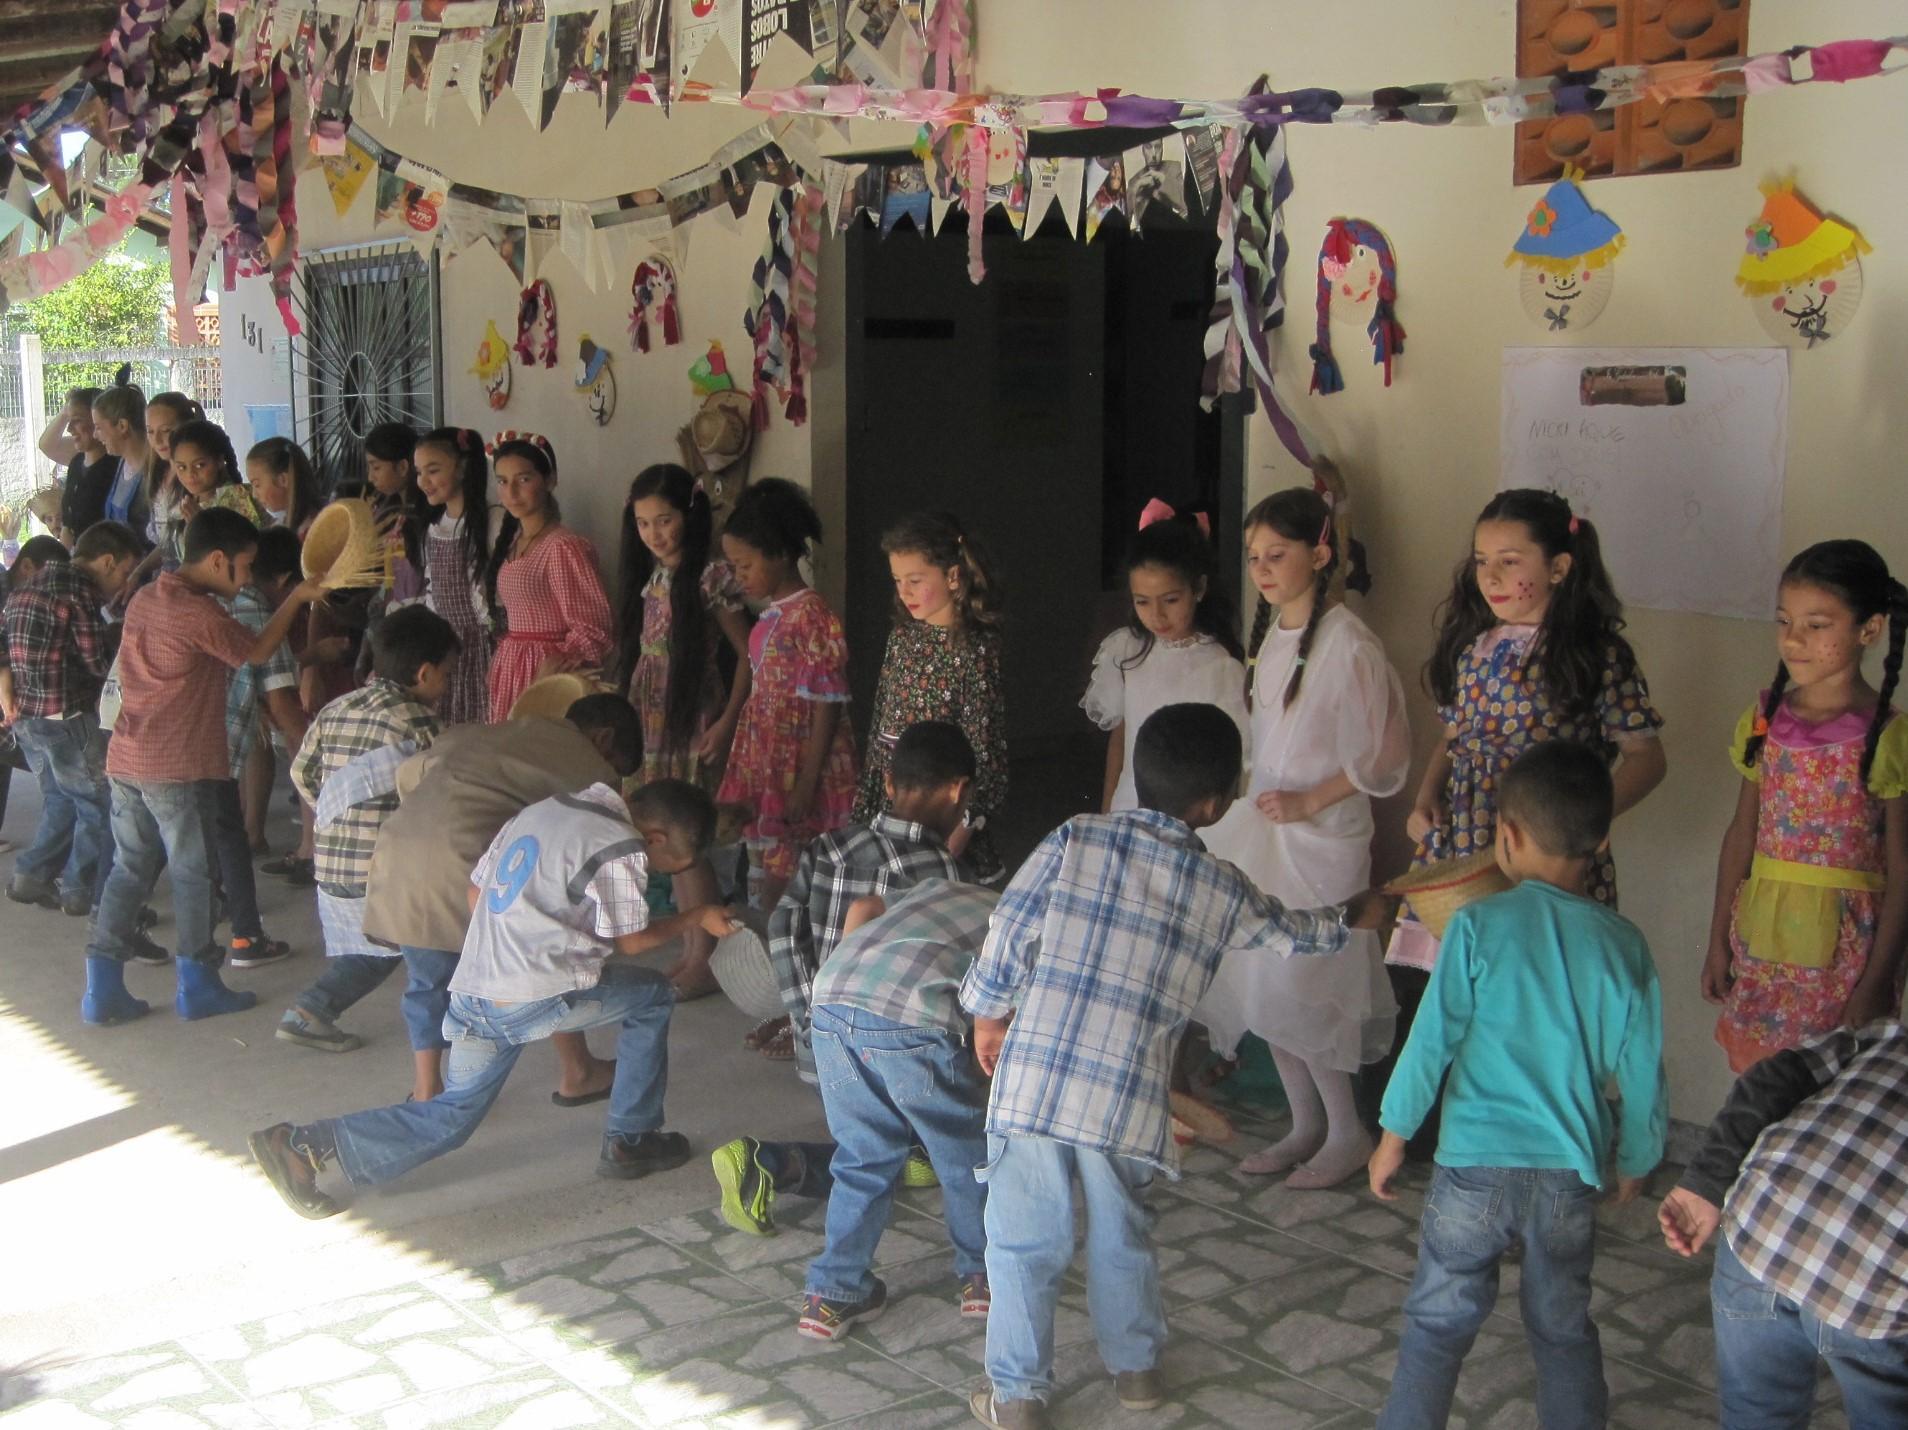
(1501, 710)
(931, 672)
(554, 605)
(1804, 920)
(649, 682)
(798, 655)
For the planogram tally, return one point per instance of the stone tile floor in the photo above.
(1284, 1309)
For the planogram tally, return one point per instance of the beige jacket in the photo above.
(454, 797)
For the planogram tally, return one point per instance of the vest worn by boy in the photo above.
(534, 932)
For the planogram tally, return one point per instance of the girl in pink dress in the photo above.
(793, 762)
(1812, 888)
(556, 615)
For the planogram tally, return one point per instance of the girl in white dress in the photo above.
(1328, 734)
(1180, 644)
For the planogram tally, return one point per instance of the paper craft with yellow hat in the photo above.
(1802, 272)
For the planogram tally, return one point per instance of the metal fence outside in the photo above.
(39, 380)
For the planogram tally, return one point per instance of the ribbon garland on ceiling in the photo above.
(199, 94)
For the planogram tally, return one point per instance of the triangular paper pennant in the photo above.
(620, 68)
(45, 149)
(19, 196)
(577, 239)
(345, 174)
(1105, 189)
(937, 211)
(1202, 156)
(527, 73)
(1069, 185)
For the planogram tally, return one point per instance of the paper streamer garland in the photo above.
(767, 318)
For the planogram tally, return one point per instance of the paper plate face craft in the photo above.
(493, 367)
(1357, 283)
(595, 382)
(1802, 272)
(1563, 258)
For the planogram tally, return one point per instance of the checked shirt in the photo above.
(378, 713)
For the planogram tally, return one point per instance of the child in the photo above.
(283, 483)
(1805, 1170)
(891, 1050)
(1812, 888)
(275, 682)
(557, 897)
(169, 740)
(390, 473)
(1328, 734)
(1103, 943)
(1540, 999)
(165, 414)
(942, 663)
(207, 471)
(1180, 643)
(679, 608)
(794, 758)
(556, 616)
(1530, 648)
(459, 580)
(56, 657)
(413, 650)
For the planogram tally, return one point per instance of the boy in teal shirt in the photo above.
(1541, 998)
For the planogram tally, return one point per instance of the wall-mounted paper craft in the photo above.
(1802, 272)
(1047, 182)
(1564, 258)
(1357, 284)
(653, 300)
(493, 367)
(537, 325)
(594, 381)
(1106, 182)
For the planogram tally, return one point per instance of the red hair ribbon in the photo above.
(1573, 523)
(1157, 510)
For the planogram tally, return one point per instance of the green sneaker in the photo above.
(748, 1196)
(919, 1173)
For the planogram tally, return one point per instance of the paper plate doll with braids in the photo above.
(1357, 283)
(1564, 258)
(1802, 272)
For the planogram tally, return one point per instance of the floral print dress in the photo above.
(649, 682)
(1804, 921)
(933, 672)
(1501, 710)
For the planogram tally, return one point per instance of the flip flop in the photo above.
(563, 1099)
(764, 1033)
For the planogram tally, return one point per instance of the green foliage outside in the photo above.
(118, 302)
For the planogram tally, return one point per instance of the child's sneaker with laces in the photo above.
(976, 1299)
(257, 952)
(826, 1320)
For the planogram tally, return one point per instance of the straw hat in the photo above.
(741, 966)
(551, 697)
(722, 428)
(1439, 890)
(344, 549)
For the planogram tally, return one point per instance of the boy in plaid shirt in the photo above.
(412, 652)
(1103, 943)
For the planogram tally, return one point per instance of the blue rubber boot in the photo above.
(107, 1002)
(202, 994)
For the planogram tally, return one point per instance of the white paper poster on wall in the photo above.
(1676, 454)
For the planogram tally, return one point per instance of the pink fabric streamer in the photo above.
(1845, 60)
(1761, 73)
(974, 199)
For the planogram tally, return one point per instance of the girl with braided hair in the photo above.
(1812, 886)
(453, 474)
(1328, 734)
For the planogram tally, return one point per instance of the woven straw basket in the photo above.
(741, 965)
(551, 697)
(1439, 890)
(343, 548)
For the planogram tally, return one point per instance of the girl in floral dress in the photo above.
(556, 615)
(942, 663)
(793, 763)
(1530, 647)
(459, 584)
(678, 609)
(1812, 887)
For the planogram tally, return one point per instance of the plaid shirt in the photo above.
(907, 965)
(56, 643)
(1815, 1140)
(1102, 944)
(377, 713)
(247, 685)
(835, 869)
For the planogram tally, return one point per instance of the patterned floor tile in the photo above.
(153, 1390)
(1205, 1385)
(533, 1399)
(938, 1409)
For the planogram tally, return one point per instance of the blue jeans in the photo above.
(74, 838)
(1030, 1244)
(485, 1037)
(1766, 1351)
(1471, 1217)
(157, 824)
(232, 855)
(798, 1168)
(886, 1085)
(346, 979)
(427, 996)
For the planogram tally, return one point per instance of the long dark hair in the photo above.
(1583, 624)
(938, 539)
(465, 448)
(1854, 573)
(210, 438)
(1298, 514)
(285, 458)
(395, 442)
(159, 469)
(688, 620)
(1177, 544)
(538, 452)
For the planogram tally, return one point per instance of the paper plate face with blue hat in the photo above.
(1802, 272)
(1564, 258)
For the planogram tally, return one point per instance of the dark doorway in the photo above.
(1046, 406)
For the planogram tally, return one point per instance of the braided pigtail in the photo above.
(1891, 672)
(1326, 378)
(1752, 751)
(1319, 588)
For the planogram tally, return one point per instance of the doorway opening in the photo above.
(1045, 407)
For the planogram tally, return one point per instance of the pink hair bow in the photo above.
(1157, 510)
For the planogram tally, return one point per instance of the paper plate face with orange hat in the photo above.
(1802, 272)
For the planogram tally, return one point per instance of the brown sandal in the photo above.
(781, 1047)
(764, 1033)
